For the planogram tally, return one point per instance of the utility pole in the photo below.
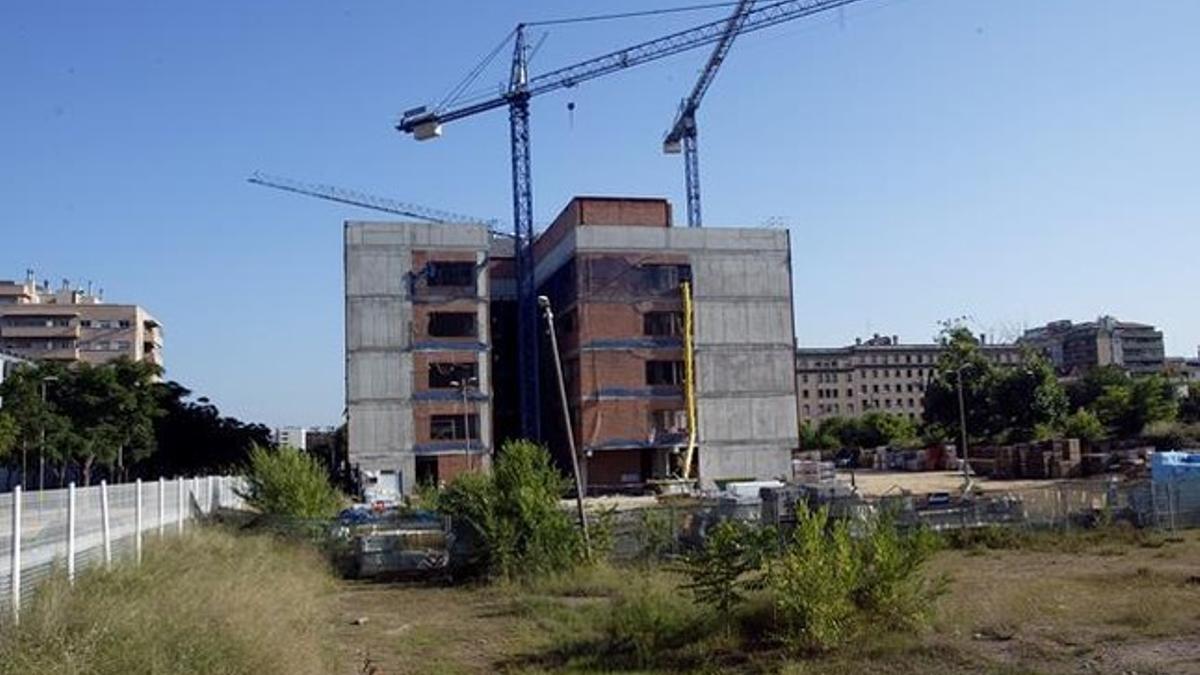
(544, 302)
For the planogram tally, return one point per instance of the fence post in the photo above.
(162, 497)
(71, 532)
(104, 524)
(209, 495)
(196, 494)
(137, 520)
(15, 553)
(179, 504)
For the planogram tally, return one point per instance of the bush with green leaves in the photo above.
(655, 534)
(728, 565)
(514, 514)
(827, 584)
(889, 586)
(812, 582)
(290, 483)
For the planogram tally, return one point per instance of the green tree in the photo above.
(31, 395)
(961, 355)
(1127, 408)
(728, 564)
(8, 435)
(1026, 399)
(289, 482)
(876, 429)
(1189, 406)
(1084, 425)
(1084, 391)
(514, 512)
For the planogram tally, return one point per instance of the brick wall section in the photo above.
(623, 211)
(610, 467)
(450, 466)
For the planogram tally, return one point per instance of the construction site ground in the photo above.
(1125, 606)
(872, 483)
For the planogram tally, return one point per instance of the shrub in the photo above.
(728, 565)
(291, 483)
(826, 584)
(655, 534)
(514, 512)
(812, 582)
(890, 587)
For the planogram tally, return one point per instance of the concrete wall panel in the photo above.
(377, 322)
(748, 322)
(743, 371)
(379, 375)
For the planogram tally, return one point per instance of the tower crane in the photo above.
(683, 131)
(366, 201)
(424, 124)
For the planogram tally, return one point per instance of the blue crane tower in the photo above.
(424, 123)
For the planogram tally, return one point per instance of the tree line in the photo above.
(1025, 402)
(117, 420)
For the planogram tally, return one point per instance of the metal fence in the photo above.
(1165, 506)
(70, 529)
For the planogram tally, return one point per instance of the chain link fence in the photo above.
(68, 530)
(670, 529)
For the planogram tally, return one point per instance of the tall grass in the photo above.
(210, 602)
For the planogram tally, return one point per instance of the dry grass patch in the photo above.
(209, 602)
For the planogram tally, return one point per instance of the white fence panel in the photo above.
(72, 529)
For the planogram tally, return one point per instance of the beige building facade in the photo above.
(877, 374)
(71, 324)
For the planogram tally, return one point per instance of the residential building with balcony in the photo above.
(71, 325)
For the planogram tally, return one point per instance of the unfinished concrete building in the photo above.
(614, 271)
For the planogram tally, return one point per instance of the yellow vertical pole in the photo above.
(689, 377)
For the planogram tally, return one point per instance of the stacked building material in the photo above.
(1045, 459)
(813, 472)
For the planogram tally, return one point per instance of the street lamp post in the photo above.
(962, 427)
(544, 303)
(42, 443)
(462, 386)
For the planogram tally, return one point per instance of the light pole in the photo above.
(42, 444)
(962, 426)
(544, 303)
(462, 385)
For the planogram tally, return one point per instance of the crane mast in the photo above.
(425, 124)
(683, 132)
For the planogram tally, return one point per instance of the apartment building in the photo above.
(613, 269)
(879, 373)
(292, 437)
(71, 324)
(1075, 348)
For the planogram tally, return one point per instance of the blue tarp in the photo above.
(1174, 466)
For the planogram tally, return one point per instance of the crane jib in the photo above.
(645, 52)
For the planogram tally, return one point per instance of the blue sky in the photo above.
(1016, 162)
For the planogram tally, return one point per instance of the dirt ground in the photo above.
(873, 483)
(1124, 607)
